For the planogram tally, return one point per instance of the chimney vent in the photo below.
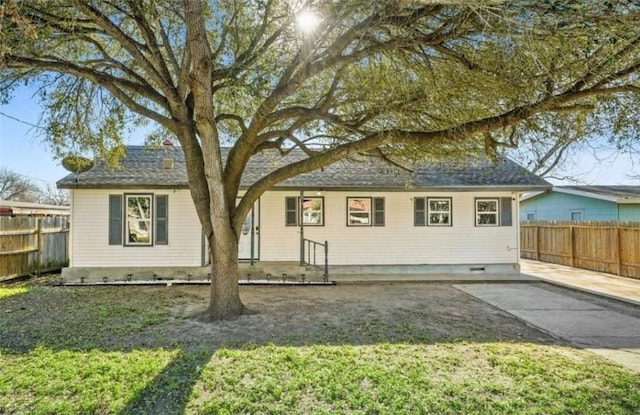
(167, 163)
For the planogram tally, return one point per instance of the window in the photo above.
(487, 212)
(138, 220)
(432, 211)
(358, 211)
(439, 213)
(309, 209)
(496, 211)
(531, 216)
(365, 211)
(576, 215)
(133, 221)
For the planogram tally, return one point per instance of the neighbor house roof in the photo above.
(617, 194)
(13, 208)
(143, 167)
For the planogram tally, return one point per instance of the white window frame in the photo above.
(305, 215)
(129, 220)
(495, 213)
(447, 212)
(368, 212)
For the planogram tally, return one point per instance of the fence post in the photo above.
(618, 247)
(38, 245)
(572, 244)
(537, 228)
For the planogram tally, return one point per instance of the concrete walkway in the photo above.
(605, 332)
(619, 288)
(601, 330)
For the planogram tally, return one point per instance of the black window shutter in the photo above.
(505, 212)
(162, 220)
(419, 211)
(378, 211)
(115, 219)
(291, 211)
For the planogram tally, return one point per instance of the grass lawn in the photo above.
(137, 350)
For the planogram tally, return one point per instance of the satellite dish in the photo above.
(77, 164)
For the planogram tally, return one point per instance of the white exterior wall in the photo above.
(90, 232)
(399, 242)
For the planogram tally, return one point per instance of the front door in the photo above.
(248, 246)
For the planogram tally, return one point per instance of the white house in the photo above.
(443, 217)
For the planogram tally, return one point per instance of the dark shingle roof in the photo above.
(142, 167)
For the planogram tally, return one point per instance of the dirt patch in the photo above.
(132, 317)
(352, 314)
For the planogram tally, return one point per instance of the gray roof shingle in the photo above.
(142, 167)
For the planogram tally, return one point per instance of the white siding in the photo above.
(399, 242)
(90, 228)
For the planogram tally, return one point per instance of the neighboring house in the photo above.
(13, 208)
(620, 203)
(443, 217)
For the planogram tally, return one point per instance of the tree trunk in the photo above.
(225, 298)
(224, 303)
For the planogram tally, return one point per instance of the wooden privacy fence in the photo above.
(33, 245)
(612, 247)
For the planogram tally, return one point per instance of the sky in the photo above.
(23, 152)
(21, 148)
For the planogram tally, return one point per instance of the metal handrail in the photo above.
(309, 255)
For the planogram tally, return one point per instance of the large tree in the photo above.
(14, 186)
(392, 79)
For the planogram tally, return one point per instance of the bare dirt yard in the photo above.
(161, 316)
(353, 314)
(363, 313)
(281, 315)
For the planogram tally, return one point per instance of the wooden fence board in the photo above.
(31, 245)
(612, 247)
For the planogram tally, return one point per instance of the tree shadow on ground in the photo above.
(170, 390)
(126, 319)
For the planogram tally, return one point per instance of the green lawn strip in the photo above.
(44, 381)
(8, 292)
(447, 378)
(407, 379)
